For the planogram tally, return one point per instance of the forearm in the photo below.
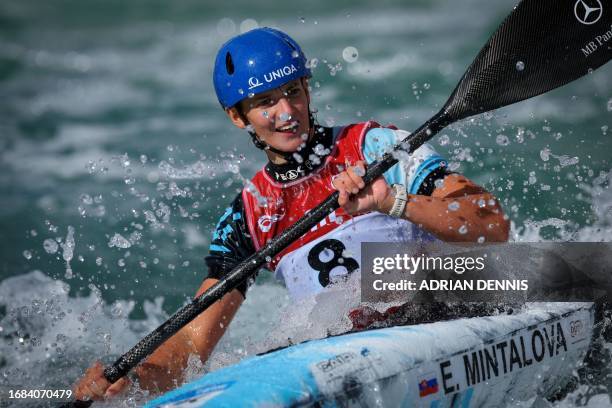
(458, 210)
(469, 218)
(164, 369)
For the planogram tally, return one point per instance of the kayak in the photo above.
(481, 361)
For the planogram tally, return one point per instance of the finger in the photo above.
(82, 390)
(345, 201)
(86, 394)
(333, 179)
(78, 393)
(342, 198)
(356, 174)
(121, 385)
(344, 183)
(98, 388)
(94, 384)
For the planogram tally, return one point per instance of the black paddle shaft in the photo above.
(541, 45)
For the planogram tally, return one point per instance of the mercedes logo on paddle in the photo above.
(588, 11)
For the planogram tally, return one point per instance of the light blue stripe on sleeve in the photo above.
(218, 248)
(377, 142)
(422, 162)
(226, 231)
(429, 165)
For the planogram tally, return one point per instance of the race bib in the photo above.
(334, 256)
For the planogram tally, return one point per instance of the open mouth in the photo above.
(289, 128)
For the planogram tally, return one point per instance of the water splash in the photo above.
(119, 241)
(68, 251)
(45, 332)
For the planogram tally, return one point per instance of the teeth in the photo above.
(290, 126)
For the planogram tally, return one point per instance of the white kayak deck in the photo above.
(482, 361)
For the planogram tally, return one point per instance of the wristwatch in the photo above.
(401, 198)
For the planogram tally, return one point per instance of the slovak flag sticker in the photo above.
(428, 386)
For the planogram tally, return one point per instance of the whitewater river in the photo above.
(116, 160)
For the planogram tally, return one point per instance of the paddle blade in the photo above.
(541, 45)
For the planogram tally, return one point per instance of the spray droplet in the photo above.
(454, 206)
(50, 246)
(502, 140)
(27, 254)
(444, 140)
(532, 177)
(481, 203)
(565, 160)
(226, 27)
(119, 241)
(520, 65)
(86, 199)
(350, 54)
(285, 116)
(91, 167)
(312, 64)
(248, 25)
(463, 230)
(481, 240)
(359, 172)
(320, 150)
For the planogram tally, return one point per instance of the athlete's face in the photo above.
(279, 117)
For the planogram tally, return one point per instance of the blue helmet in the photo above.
(254, 62)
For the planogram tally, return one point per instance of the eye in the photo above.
(293, 91)
(264, 102)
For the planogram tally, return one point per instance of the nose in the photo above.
(283, 103)
(283, 106)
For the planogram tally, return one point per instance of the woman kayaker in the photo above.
(261, 80)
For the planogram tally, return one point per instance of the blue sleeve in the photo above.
(411, 172)
(231, 243)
